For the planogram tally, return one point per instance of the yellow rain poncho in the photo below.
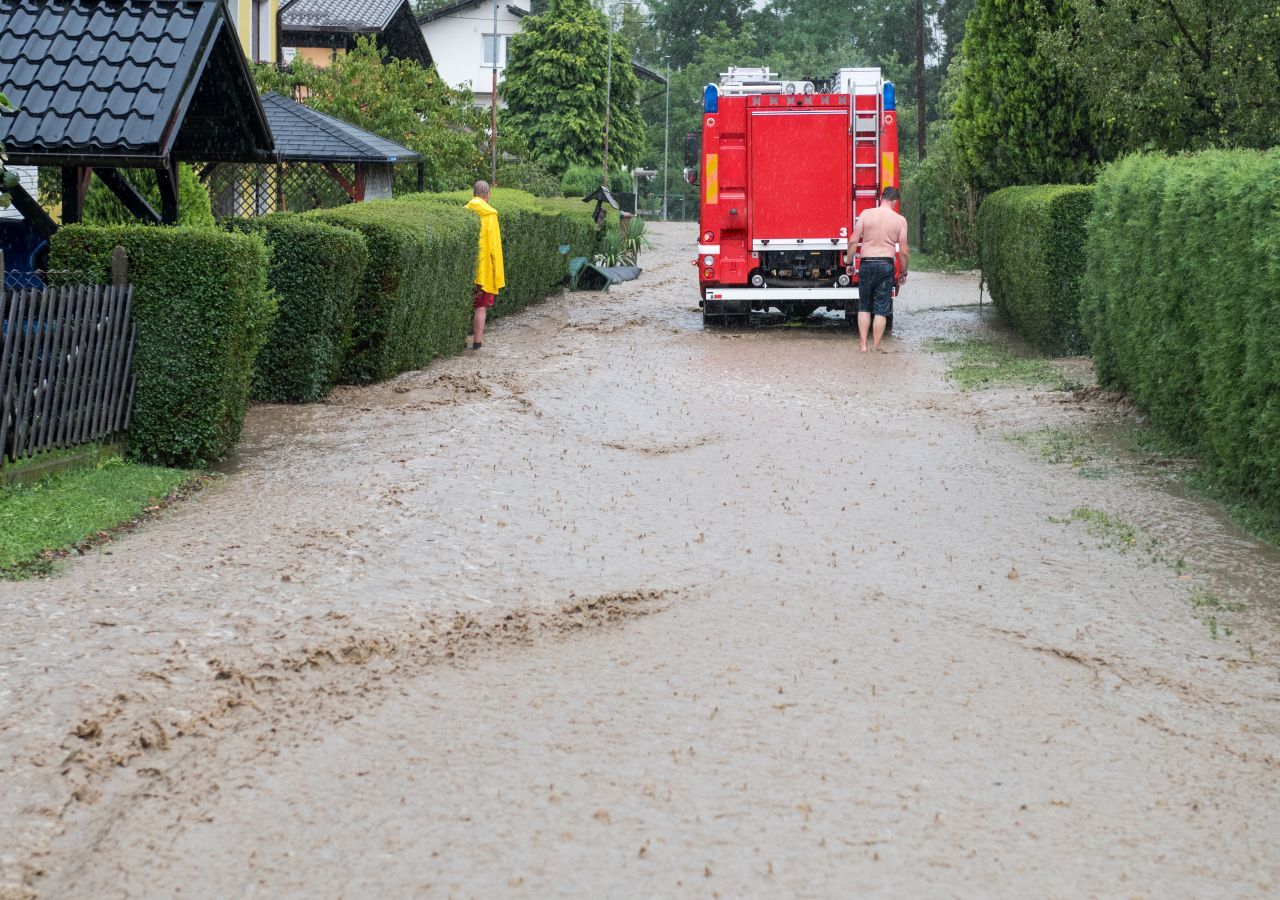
(489, 271)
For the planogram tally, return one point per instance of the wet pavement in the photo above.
(622, 606)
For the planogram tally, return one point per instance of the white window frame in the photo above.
(486, 40)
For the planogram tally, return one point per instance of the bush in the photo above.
(415, 300)
(533, 231)
(1179, 303)
(202, 312)
(315, 272)
(581, 179)
(1031, 241)
(194, 209)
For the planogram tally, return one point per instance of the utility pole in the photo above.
(921, 133)
(666, 142)
(493, 125)
(608, 91)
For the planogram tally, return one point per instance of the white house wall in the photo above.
(456, 44)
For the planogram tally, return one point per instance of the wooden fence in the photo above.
(65, 366)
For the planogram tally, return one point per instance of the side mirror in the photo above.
(692, 156)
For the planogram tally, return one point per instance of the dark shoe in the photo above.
(476, 346)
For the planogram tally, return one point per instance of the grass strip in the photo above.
(981, 364)
(46, 520)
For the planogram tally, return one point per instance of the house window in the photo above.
(489, 45)
(260, 31)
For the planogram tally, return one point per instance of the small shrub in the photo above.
(101, 207)
(316, 271)
(1032, 244)
(581, 179)
(202, 311)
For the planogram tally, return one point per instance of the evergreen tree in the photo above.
(1020, 118)
(555, 89)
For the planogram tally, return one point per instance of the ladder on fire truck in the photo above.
(865, 87)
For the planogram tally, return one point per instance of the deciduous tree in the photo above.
(1178, 74)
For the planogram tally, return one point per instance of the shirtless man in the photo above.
(883, 234)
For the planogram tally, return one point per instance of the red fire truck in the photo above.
(784, 171)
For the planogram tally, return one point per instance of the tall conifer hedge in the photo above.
(1181, 303)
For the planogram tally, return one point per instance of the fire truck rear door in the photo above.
(800, 175)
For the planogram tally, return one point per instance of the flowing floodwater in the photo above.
(622, 606)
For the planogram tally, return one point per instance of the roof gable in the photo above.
(304, 134)
(120, 82)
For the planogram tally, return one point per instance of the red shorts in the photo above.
(483, 299)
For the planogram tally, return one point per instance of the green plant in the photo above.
(581, 179)
(1178, 302)
(101, 207)
(202, 311)
(399, 100)
(316, 271)
(555, 88)
(5, 106)
(1032, 245)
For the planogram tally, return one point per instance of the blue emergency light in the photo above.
(890, 102)
(711, 99)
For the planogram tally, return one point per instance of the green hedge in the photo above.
(202, 310)
(316, 272)
(1031, 241)
(415, 300)
(533, 231)
(1181, 305)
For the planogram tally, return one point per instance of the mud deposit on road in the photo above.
(406, 645)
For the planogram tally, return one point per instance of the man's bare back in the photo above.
(883, 232)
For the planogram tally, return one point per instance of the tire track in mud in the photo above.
(132, 748)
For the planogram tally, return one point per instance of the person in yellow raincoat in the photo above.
(490, 277)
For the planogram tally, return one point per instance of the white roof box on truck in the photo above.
(858, 81)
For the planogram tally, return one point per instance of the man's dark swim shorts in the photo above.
(875, 286)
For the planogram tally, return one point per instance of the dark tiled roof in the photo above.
(107, 79)
(306, 135)
(452, 8)
(337, 24)
(339, 15)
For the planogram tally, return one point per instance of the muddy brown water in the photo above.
(621, 606)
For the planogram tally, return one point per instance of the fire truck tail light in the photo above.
(708, 273)
(708, 260)
(709, 237)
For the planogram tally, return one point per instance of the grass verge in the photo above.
(929, 262)
(47, 520)
(981, 364)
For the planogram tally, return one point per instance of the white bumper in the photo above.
(774, 293)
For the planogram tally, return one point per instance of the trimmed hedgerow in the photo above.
(316, 272)
(1031, 241)
(415, 300)
(1179, 301)
(533, 231)
(202, 311)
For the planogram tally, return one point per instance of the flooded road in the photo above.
(619, 606)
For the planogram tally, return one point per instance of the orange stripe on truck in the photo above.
(711, 177)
